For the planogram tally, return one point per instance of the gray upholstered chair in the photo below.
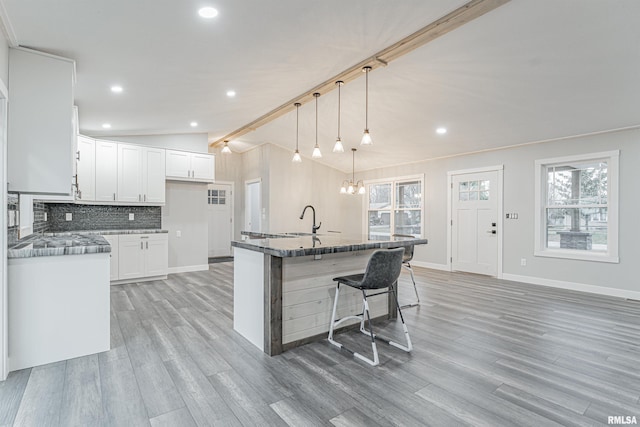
(406, 263)
(383, 270)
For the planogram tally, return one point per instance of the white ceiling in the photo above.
(530, 70)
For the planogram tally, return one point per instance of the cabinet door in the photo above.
(39, 123)
(106, 171)
(153, 175)
(86, 169)
(113, 256)
(131, 257)
(156, 254)
(178, 164)
(202, 166)
(129, 173)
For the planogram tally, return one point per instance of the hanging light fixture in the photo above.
(366, 137)
(226, 149)
(316, 148)
(296, 154)
(352, 186)
(338, 147)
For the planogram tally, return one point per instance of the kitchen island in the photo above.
(284, 288)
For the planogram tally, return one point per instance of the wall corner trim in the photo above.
(573, 286)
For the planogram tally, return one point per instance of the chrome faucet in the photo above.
(313, 227)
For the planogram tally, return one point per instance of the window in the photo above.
(577, 207)
(217, 197)
(394, 206)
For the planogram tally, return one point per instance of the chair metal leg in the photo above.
(409, 346)
(415, 289)
(366, 312)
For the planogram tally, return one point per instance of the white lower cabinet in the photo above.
(114, 241)
(143, 255)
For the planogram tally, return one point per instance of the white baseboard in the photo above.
(431, 265)
(188, 268)
(593, 289)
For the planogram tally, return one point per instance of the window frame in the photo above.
(393, 181)
(541, 203)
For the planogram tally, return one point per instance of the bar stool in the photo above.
(383, 270)
(408, 256)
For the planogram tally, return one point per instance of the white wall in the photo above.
(518, 235)
(188, 141)
(4, 77)
(186, 211)
(295, 185)
(286, 189)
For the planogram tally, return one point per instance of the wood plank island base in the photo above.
(284, 288)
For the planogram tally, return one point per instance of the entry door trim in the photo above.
(450, 175)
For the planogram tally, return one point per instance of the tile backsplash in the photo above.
(13, 218)
(100, 217)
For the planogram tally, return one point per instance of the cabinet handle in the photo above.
(147, 245)
(141, 245)
(139, 197)
(114, 197)
(145, 197)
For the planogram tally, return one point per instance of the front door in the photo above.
(220, 215)
(474, 227)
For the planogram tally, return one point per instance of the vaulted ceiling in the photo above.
(528, 71)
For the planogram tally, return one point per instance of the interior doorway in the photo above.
(475, 221)
(253, 205)
(220, 218)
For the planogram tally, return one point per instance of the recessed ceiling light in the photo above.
(193, 124)
(208, 12)
(441, 131)
(106, 125)
(231, 93)
(116, 89)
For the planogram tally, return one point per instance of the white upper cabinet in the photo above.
(129, 173)
(141, 174)
(186, 166)
(178, 164)
(153, 175)
(106, 171)
(41, 135)
(86, 169)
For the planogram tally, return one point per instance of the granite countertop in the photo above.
(106, 232)
(292, 245)
(68, 244)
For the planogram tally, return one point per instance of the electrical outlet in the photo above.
(68, 216)
(523, 262)
(132, 217)
(178, 233)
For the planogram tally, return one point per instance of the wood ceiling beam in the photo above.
(462, 15)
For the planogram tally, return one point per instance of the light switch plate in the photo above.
(132, 217)
(68, 216)
(178, 233)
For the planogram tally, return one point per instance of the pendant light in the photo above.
(366, 137)
(338, 147)
(226, 149)
(352, 186)
(316, 148)
(296, 154)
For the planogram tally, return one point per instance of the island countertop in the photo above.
(293, 245)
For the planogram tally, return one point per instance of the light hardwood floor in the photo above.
(487, 353)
